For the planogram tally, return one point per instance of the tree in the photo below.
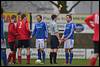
(61, 5)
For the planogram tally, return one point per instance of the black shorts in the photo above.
(23, 43)
(54, 42)
(96, 47)
(12, 46)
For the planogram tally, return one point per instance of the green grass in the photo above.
(61, 62)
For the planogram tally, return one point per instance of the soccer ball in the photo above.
(38, 61)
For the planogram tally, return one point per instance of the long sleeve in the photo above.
(88, 19)
(46, 31)
(2, 29)
(34, 31)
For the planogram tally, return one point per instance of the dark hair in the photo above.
(22, 16)
(19, 13)
(13, 16)
(69, 15)
(53, 16)
(39, 16)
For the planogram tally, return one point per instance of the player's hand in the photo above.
(59, 41)
(31, 36)
(62, 40)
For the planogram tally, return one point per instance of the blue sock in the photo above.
(43, 55)
(67, 56)
(39, 54)
(71, 57)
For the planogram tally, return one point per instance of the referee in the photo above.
(55, 39)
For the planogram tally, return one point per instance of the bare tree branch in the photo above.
(54, 4)
(73, 6)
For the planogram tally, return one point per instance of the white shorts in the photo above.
(40, 43)
(69, 43)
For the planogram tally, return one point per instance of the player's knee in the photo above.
(66, 50)
(71, 50)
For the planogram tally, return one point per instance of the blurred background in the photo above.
(79, 10)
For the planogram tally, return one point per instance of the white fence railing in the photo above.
(78, 53)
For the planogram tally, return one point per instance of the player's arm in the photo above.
(12, 29)
(88, 19)
(27, 26)
(46, 30)
(34, 31)
(62, 38)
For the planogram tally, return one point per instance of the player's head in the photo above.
(23, 17)
(19, 15)
(13, 18)
(68, 18)
(39, 18)
(54, 17)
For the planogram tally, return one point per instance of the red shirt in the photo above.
(11, 32)
(23, 30)
(95, 26)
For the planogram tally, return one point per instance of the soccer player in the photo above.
(23, 36)
(94, 18)
(68, 38)
(11, 40)
(41, 33)
(3, 44)
(55, 39)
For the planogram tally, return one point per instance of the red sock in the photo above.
(14, 57)
(28, 59)
(93, 61)
(9, 57)
(19, 59)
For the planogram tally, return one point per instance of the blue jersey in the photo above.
(40, 30)
(2, 29)
(69, 31)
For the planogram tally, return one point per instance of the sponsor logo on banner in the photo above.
(89, 52)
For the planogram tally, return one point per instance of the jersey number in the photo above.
(20, 25)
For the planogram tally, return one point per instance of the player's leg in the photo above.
(42, 47)
(4, 56)
(93, 58)
(56, 42)
(55, 55)
(71, 55)
(66, 46)
(19, 51)
(12, 55)
(51, 55)
(28, 55)
(71, 43)
(38, 49)
(27, 45)
(14, 52)
(52, 49)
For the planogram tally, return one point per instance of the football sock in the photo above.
(67, 56)
(39, 54)
(43, 55)
(71, 57)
